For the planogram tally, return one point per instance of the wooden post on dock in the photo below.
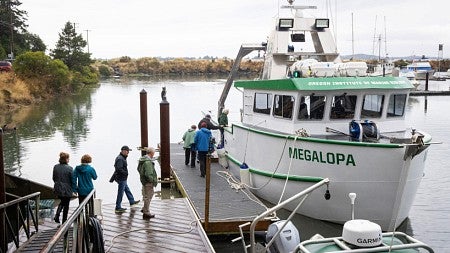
(164, 151)
(144, 120)
(3, 244)
(207, 187)
(427, 75)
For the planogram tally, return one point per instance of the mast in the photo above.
(385, 39)
(374, 35)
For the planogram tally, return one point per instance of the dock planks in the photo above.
(175, 228)
(228, 207)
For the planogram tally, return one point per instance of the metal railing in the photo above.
(18, 214)
(79, 221)
(304, 194)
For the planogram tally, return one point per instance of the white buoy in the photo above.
(245, 174)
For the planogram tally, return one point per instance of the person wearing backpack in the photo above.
(149, 180)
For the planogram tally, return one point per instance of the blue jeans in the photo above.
(123, 187)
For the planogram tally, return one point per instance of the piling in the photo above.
(427, 75)
(207, 190)
(144, 120)
(164, 152)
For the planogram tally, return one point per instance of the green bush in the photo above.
(51, 74)
(87, 76)
(104, 71)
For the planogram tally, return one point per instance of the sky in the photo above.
(197, 28)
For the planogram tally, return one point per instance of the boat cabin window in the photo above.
(262, 103)
(343, 107)
(283, 106)
(396, 106)
(311, 107)
(372, 106)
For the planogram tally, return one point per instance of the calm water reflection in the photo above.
(100, 120)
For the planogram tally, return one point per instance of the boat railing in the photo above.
(408, 242)
(17, 214)
(305, 193)
(79, 221)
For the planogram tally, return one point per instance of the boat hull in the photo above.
(385, 182)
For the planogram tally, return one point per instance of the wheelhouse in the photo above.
(291, 104)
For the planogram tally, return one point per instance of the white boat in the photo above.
(420, 69)
(410, 74)
(296, 131)
(383, 69)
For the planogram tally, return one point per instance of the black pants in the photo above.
(64, 207)
(189, 153)
(202, 159)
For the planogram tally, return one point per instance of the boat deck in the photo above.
(228, 207)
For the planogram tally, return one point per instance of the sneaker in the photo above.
(120, 210)
(135, 202)
(148, 216)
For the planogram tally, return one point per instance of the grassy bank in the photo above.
(14, 92)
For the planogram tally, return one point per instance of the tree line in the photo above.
(177, 66)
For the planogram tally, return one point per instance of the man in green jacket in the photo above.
(149, 180)
(189, 146)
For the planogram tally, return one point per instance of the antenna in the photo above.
(353, 40)
(352, 197)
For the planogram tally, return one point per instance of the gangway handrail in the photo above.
(24, 220)
(80, 221)
(269, 211)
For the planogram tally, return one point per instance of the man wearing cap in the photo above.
(209, 124)
(149, 180)
(202, 140)
(121, 171)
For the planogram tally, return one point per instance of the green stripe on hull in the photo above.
(331, 83)
(277, 175)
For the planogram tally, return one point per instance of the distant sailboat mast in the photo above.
(385, 39)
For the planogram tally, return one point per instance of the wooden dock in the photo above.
(429, 93)
(228, 207)
(179, 225)
(175, 228)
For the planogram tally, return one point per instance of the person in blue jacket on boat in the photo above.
(202, 141)
(82, 178)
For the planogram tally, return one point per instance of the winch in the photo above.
(364, 129)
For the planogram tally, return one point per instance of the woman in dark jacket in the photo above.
(83, 175)
(62, 176)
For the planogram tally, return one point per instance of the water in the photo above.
(102, 119)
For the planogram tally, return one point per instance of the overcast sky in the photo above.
(196, 28)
